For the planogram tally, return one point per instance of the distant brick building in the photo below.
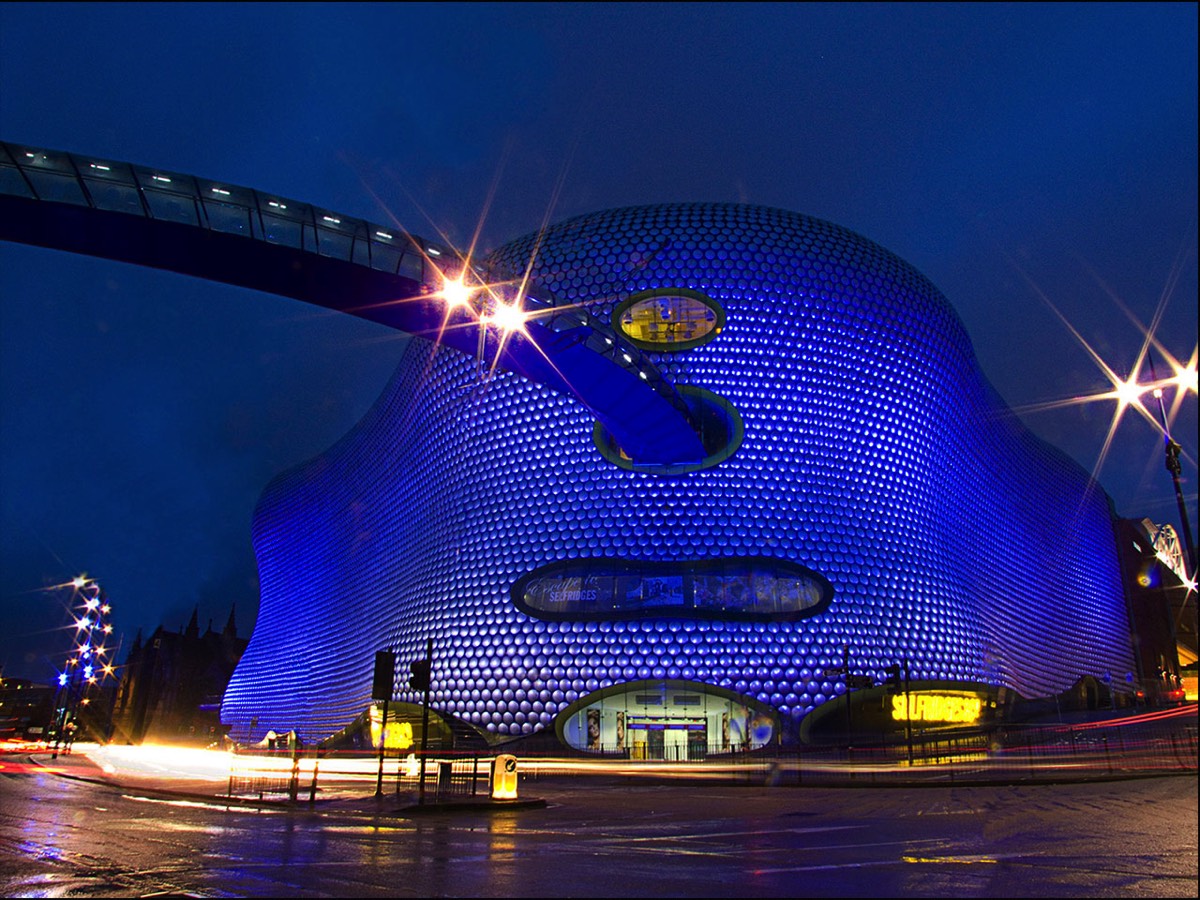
(25, 709)
(172, 683)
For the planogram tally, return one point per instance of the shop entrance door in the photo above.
(697, 743)
(655, 745)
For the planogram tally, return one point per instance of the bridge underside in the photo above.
(568, 351)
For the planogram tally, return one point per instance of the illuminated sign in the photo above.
(397, 736)
(943, 707)
(504, 777)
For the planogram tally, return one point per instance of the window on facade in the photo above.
(717, 421)
(666, 720)
(747, 589)
(668, 319)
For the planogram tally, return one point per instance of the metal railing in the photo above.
(1013, 754)
(300, 775)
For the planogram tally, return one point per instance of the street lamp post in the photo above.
(1172, 450)
(87, 664)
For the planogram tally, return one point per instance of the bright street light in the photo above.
(455, 293)
(508, 317)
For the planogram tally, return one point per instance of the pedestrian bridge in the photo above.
(244, 237)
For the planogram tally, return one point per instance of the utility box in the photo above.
(504, 777)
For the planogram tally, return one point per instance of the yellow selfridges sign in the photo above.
(940, 708)
(397, 736)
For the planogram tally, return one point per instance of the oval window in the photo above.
(720, 428)
(747, 589)
(669, 319)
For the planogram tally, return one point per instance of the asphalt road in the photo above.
(1134, 838)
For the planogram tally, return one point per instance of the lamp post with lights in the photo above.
(89, 662)
(1171, 450)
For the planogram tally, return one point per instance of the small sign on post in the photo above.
(504, 777)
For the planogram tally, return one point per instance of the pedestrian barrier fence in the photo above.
(301, 774)
(1020, 753)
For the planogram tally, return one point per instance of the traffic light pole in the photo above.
(382, 744)
(383, 684)
(849, 720)
(908, 713)
(425, 718)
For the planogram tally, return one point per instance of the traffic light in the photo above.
(893, 675)
(385, 675)
(419, 680)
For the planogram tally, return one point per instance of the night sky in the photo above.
(1018, 155)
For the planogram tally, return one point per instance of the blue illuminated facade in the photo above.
(910, 512)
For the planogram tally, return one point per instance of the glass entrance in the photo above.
(675, 721)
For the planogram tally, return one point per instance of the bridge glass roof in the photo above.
(157, 194)
(161, 194)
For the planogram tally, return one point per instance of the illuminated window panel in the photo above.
(755, 589)
(666, 720)
(669, 319)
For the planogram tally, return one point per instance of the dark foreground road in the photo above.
(63, 838)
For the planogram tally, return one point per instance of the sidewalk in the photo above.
(1145, 745)
(80, 766)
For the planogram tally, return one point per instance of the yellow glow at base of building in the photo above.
(397, 736)
(975, 756)
(943, 707)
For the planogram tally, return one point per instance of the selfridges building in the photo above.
(865, 498)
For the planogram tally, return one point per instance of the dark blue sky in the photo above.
(993, 146)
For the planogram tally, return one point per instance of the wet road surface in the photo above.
(1134, 838)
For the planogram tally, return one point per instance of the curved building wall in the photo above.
(874, 453)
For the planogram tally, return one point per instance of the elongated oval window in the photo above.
(668, 319)
(756, 589)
